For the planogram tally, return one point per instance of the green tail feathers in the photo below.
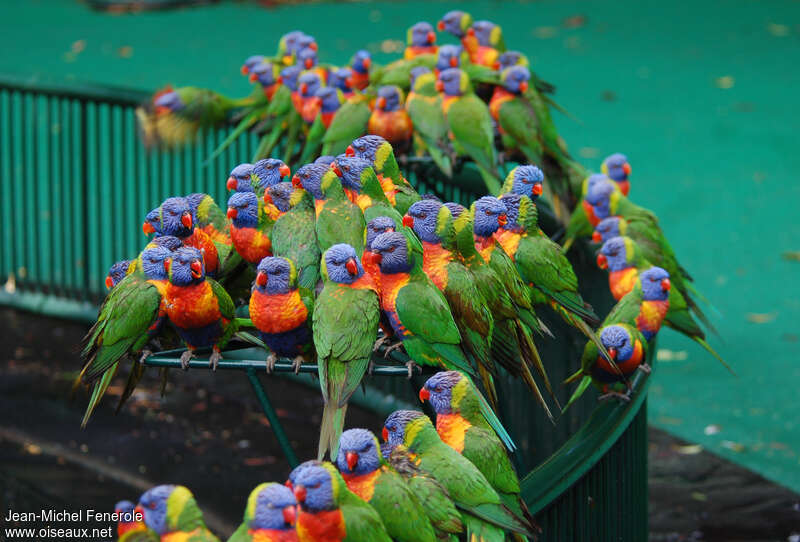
(331, 429)
(585, 382)
(97, 393)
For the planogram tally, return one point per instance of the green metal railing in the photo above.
(76, 184)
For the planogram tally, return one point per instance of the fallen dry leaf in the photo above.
(725, 82)
(791, 255)
(761, 317)
(689, 449)
(575, 21)
(712, 429)
(777, 29)
(662, 354)
(734, 446)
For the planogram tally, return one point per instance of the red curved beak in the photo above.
(267, 198)
(537, 189)
(231, 183)
(453, 62)
(440, 26)
(424, 394)
(439, 86)
(279, 80)
(109, 282)
(288, 483)
(304, 86)
(253, 77)
(665, 285)
(431, 38)
(385, 434)
(367, 62)
(296, 182)
(376, 258)
(336, 169)
(349, 151)
(300, 493)
(244, 69)
(232, 213)
(502, 219)
(197, 269)
(284, 171)
(313, 46)
(626, 167)
(309, 63)
(597, 237)
(167, 264)
(613, 353)
(470, 31)
(408, 221)
(186, 220)
(352, 460)
(523, 87)
(381, 102)
(148, 228)
(289, 515)
(261, 279)
(351, 266)
(602, 262)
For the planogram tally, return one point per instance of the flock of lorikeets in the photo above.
(452, 481)
(347, 262)
(441, 101)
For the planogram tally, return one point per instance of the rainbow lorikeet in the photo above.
(307, 58)
(131, 315)
(239, 179)
(330, 100)
(172, 513)
(461, 425)
(251, 62)
(624, 260)
(389, 119)
(199, 308)
(424, 106)
(470, 124)
(266, 74)
(457, 23)
(486, 517)
(368, 476)
(331, 512)
(270, 515)
(487, 44)
(175, 219)
(307, 103)
(350, 122)
(118, 271)
(376, 227)
(360, 65)
(646, 305)
(268, 172)
(339, 78)
(250, 227)
(617, 168)
(294, 236)
(346, 316)
(282, 312)
(338, 220)
(583, 219)
(627, 347)
(381, 154)
(128, 522)
(208, 216)
(420, 40)
(441, 510)
(277, 201)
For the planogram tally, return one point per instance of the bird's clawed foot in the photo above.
(271, 360)
(396, 346)
(213, 360)
(145, 354)
(621, 396)
(296, 363)
(185, 358)
(410, 365)
(383, 339)
(645, 368)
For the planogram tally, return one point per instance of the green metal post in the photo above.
(272, 416)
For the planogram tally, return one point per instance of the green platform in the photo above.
(701, 96)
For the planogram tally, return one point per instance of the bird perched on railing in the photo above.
(171, 513)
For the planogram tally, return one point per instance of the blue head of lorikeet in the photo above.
(153, 504)
(618, 342)
(449, 56)
(325, 159)
(599, 196)
(176, 218)
(269, 172)
(509, 59)
(358, 452)
(394, 428)
(655, 284)
(306, 41)
(274, 508)
(299, 469)
(438, 389)
(315, 489)
(386, 449)
(350, 168)
(308, 84)
(366, 147)
(527, 181)
(616, 167)
(512, 202)
(280, 195)
(486, 32)
(341, 265)
(376, 227)
(153, 259)
(186, 266)
(265, 73)
(425, 218)
(390, 252)
(239, 178)
(288, 42)
(453, 82)
(608, 228)
(455, 208)
(416, 72)
(390, 98)
(243, 209)
(167, 241)
(117, 272)
(152, 222)
(170, 100)
(515, 79)
(330, 98)
(455, 22)
(251, 62)
(307, 58)
(614, 254)
(490, 215)
(289, 77)
(361, 62)
(421, 35)
(275, 275)
(339, 77)
(309, 178)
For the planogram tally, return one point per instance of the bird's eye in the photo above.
(423, 215)
(315, 486)
(488, 212)
(437, 389)
(173, 213)
(613, 253)
(152, 505)
(153, 260)
(390, 249)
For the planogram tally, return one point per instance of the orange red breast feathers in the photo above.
(192, 306)
(452, 429)
(621, 282)
(251, 244)
(434, 262)
(324, 526)
(277, 313)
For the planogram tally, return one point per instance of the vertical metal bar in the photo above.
(115, 184)
(78, 182)
(57, 194)
(106, 206)
(44, 240)
(93, 219)
(272, 416)
(29, 189)
(18, 225)
(6, 198)
(130, 187)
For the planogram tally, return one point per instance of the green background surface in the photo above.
(700, 95)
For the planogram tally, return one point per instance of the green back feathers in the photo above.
(183, 514)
